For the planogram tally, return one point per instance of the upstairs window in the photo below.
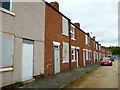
(72, 32)
(64, 26)
(103, 50)
(99, 47)
(96, 46)
(6, 4)
(86, 37)
(87, 40)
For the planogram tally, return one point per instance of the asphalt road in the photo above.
(102, 77)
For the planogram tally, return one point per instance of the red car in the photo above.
(106, 61)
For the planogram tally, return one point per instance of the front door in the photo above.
(77, 57)
(56, 60)
(27, 60)
(94, 56)
(84, 58)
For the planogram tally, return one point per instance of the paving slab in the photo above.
(62, 79)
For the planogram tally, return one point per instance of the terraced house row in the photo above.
(37, 39)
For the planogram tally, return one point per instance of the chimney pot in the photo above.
(77, 24)
(55, 5)
(88, 34)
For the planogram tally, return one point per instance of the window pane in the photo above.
(72, 32)
(86, 54)
(72, 57)
(86, 39)
(0, 4)
(7, 50)
(65, 52)
(64, 26)
(5, 4)
(72, 51)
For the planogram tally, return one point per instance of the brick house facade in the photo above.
(56, 43)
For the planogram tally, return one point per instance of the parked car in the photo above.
(106, 61)
(111, 57)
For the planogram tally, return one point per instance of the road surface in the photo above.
(102, 77)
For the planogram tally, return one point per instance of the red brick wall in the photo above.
(80, 42)
(89, 48)
(73, 43)
(53, 32)
(93, 49)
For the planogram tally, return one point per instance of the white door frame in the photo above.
(56, 61)
(94, 56)
(84, 64)
(77, 56)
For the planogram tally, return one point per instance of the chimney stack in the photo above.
(88, 34)
(77, 24)
(55, 5)
(94, 37)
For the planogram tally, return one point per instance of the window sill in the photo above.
(65, 34)
(73, 61)
(6, 69)
(65, 62)
(73, 39)
(7, 11)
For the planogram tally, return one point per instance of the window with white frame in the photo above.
(73, 53)
(7, 41)
(72, 32)
(96, 46)
(95, 55)
(89, 41)
(86, 39)
(7, 4)
(65, 52)
(64, 26)
(90, 54)
(99, 56)
(87, 53)
(99, 47)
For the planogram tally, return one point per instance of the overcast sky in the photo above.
(99, 17)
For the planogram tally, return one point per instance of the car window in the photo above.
(106, 58)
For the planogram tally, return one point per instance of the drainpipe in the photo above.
(69, 44)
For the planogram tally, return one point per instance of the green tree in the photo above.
(115, 50)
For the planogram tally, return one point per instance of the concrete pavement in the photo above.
(60, 80)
